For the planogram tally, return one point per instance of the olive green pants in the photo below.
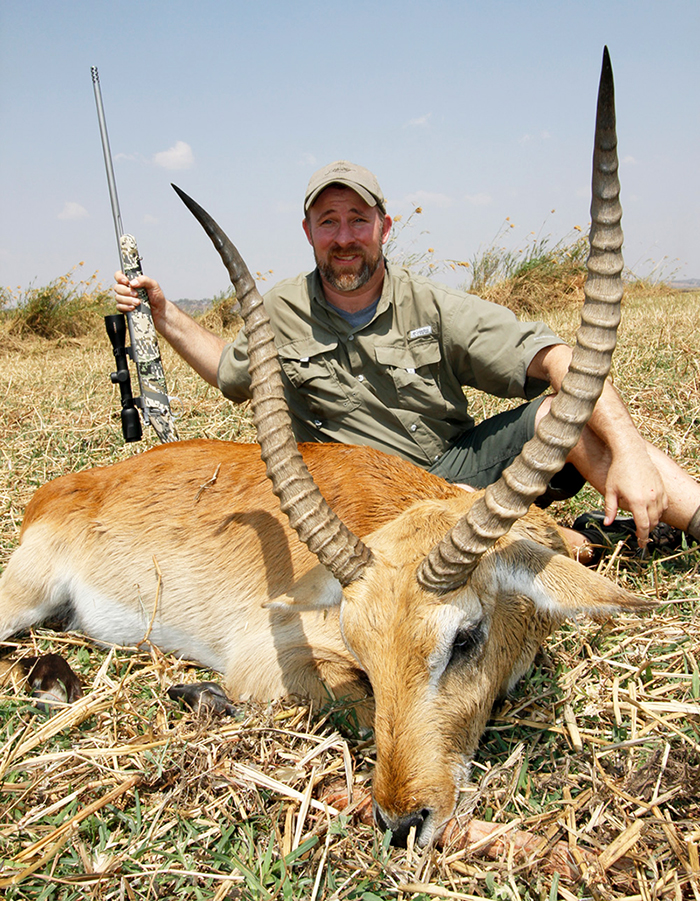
(479, 456)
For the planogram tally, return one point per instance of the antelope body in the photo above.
(425, 599)
(186, 544)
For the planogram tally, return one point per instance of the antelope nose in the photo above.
(402, 825)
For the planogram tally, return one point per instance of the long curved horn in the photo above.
(449, 563)
(309, 515)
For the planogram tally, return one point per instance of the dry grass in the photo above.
(543, 276)
(67, 307)
(125, 796)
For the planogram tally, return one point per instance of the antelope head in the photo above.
(444, 607)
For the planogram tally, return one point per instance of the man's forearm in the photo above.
(610, 419)
(195, 344)
(628, 471)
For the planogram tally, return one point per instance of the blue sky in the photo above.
(476, 111)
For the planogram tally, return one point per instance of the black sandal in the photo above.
(662, 538)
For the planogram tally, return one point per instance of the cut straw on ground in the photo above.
(594, 760)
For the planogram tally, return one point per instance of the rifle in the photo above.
(153, 402)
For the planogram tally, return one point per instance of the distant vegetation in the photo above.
(65, 308)
(222, 312)
(541, 276)
(71, 307)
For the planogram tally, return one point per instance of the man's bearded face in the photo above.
(347, 236)
(349, 268)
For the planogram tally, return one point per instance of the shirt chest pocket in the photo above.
(316, 379)
(415, 372)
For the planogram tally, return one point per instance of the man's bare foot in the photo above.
(581, 547)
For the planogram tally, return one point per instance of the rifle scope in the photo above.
(131, 422)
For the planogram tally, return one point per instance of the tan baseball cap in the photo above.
(342, 172)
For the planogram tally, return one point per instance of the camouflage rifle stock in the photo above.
(154, 401)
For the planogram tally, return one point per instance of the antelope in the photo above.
(417, 599)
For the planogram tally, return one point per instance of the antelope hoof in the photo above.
(52, 682)
(205, 698)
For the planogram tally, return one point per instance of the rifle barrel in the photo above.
(114, 199)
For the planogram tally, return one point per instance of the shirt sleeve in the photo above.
(233, 376)
(490, 349)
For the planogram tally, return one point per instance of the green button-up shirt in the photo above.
(396, 382)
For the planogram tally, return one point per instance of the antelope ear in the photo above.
(315, 590)
(577, 589)
(562, 586)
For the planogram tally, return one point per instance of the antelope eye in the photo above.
(467, 643)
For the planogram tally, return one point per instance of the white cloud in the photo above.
(308, 159)
(179, 156)
(629, 160)
(528, 138)
(73, 210)
(419, 122)
(150, 220)
(481, 199)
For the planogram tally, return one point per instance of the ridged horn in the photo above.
(449, 563)
(341, 552)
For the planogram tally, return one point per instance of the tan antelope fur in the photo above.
(204, 514)
(425, 599)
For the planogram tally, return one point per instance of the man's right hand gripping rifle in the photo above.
(200, 348)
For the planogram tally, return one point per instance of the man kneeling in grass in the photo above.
(372, 354)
